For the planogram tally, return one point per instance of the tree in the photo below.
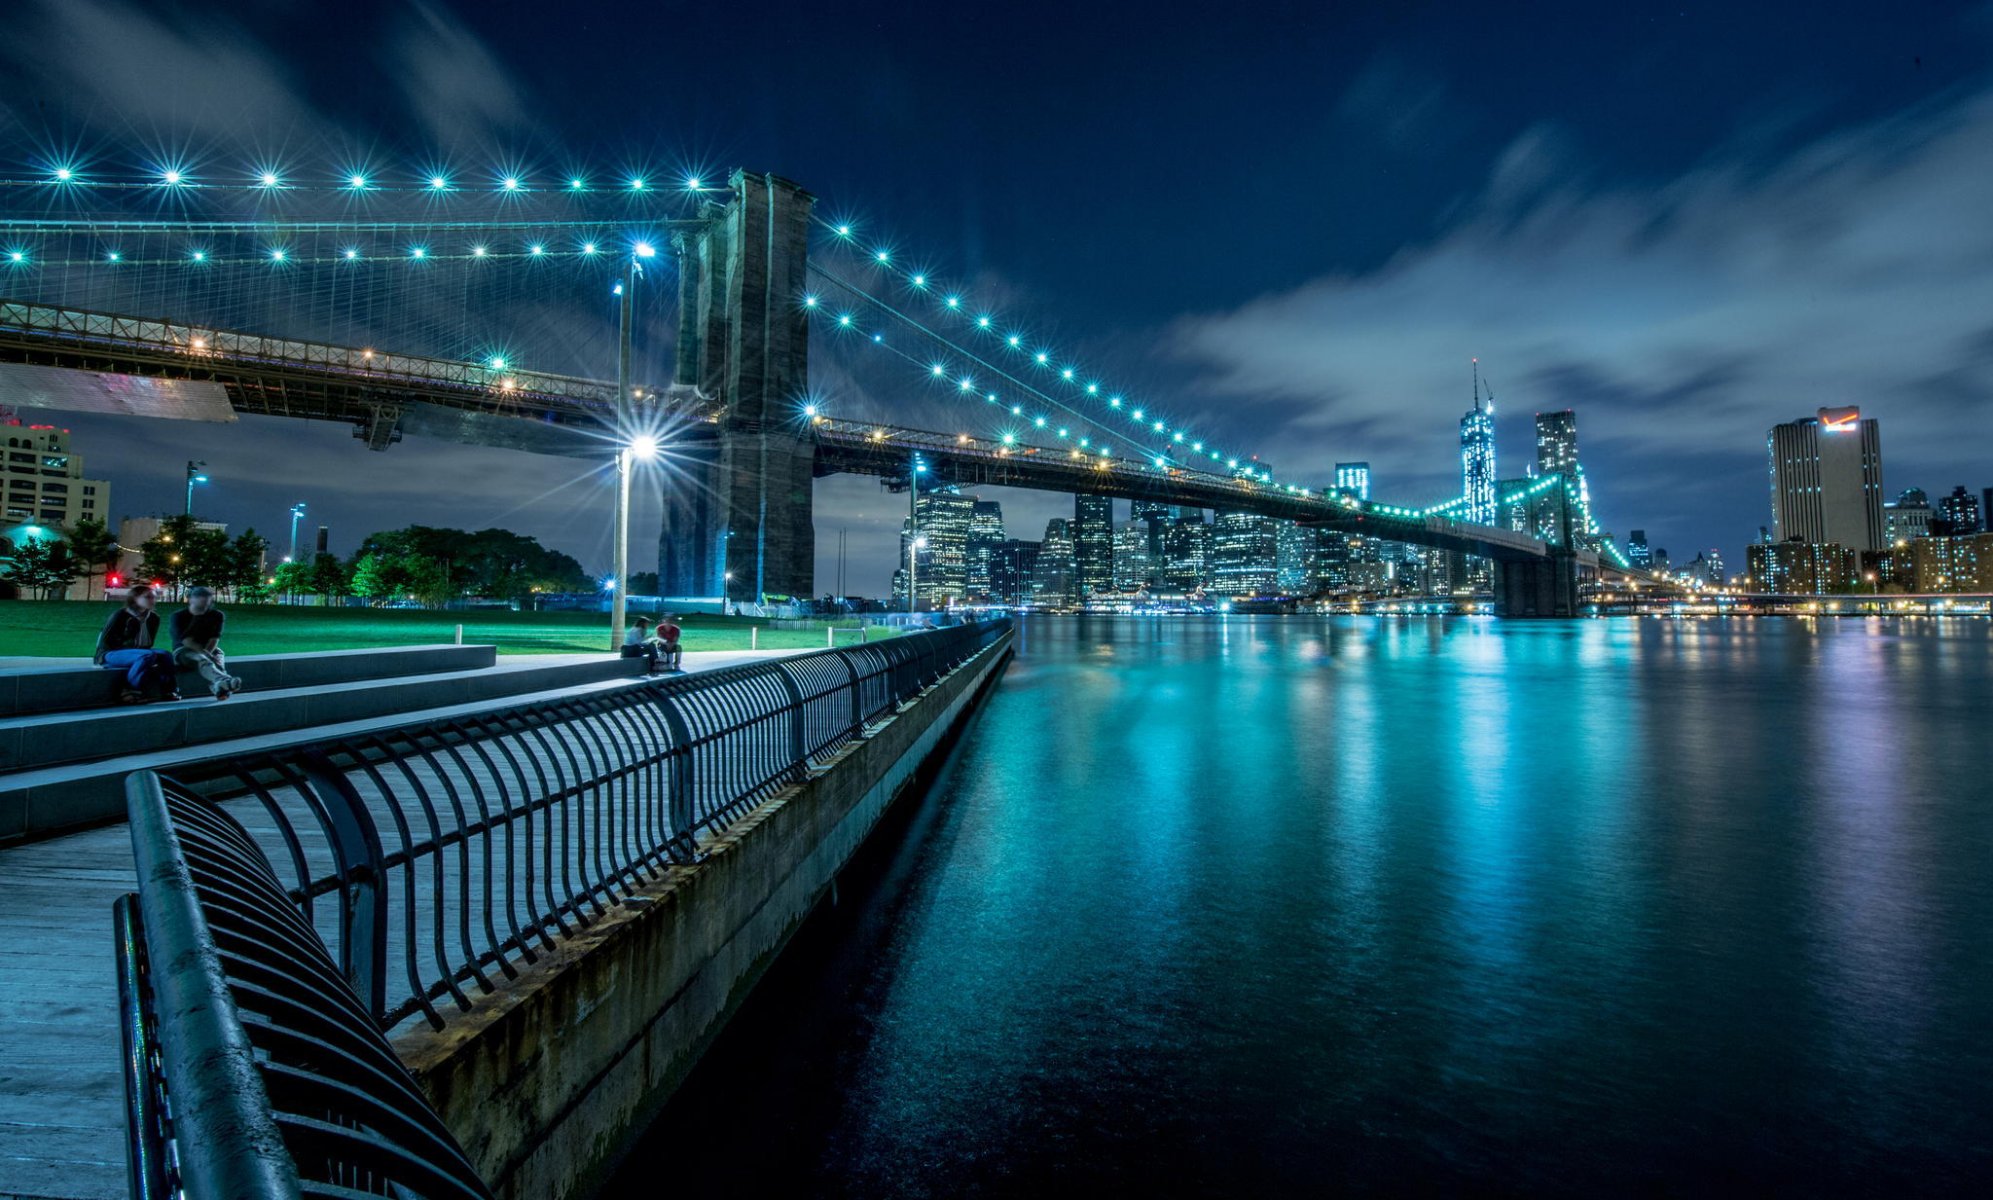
(643, 583)
(39, 565)
(329, 576)
(93, 548)
(376, 577)
(244, 565)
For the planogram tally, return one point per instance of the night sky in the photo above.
(1289, 225)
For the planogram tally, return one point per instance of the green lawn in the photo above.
(69, 628)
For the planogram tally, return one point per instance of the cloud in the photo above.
(1680, 318)
(453, 84)
(160, 77)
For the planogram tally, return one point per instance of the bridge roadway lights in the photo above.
(1537, 587)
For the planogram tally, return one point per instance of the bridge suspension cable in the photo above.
(1178, 443)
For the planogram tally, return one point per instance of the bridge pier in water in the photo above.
(737, 519)
(1537, 587)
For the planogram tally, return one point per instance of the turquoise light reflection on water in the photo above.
(1257, 904)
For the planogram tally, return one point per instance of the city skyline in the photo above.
(1439, 187)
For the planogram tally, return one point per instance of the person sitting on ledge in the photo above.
(669, 651)
(196, 633)
(125, 644)
(638, 643)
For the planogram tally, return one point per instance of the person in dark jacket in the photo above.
(196, 635)
(125, 644)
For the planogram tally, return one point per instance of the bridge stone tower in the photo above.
(740, 525)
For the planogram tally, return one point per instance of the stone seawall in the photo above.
(548, 1079)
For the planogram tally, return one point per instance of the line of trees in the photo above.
(429, 565)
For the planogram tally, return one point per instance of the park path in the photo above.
(61, 1091)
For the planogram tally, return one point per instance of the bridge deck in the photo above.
(61, 1094)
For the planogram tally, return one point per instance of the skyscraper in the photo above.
(1557, 442)
(1906, 517)
(1093, 545)
(1353, 478)
(985, 534)
(1186, 552)
(1637, 552)
(1826, 479)
(1296, 556)
(1959, 512)
(1012, 564)
(1052, 576)
(1244, 554)
(942, 564)
(1133, 565)
(1477, 458)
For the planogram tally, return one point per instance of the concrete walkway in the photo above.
(61, 1091)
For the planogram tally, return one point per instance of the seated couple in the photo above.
(661, 647)
(129, 640)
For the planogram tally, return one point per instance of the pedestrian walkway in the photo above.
(61, 1091)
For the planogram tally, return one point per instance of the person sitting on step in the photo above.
(196, 633)
(638, 643)
(125, 644)
(670, 653)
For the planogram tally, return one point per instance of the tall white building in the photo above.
(42, 480)
(1826, 480)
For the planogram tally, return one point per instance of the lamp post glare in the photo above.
(914, 548)
(194, 475)
(297, 511)
(641, 448)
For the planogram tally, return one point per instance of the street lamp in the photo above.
(642, 447)
(194, 475)
(914, 548)
(297, 510)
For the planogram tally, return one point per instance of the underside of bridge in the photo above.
(741, 525)
(1544, 587)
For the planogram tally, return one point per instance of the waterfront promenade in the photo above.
(61, 1092)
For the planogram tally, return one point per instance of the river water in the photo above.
(1243, 906)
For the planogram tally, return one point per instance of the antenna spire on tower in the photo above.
(1477, 384)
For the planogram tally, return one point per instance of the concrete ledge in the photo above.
(26, 691)
(51, 796)
(547, 1079)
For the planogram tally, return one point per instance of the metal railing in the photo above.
(461, 848)
(251, 1067)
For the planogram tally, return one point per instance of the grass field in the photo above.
(69, 629)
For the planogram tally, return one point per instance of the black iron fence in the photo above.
(251, 1067)
(435, 859)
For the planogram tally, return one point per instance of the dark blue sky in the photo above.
(1292, 223)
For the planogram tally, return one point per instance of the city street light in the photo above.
(642, 448)
(194, 475)
(914, 548)
(297, 510)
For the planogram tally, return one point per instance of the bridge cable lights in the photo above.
(956, 303)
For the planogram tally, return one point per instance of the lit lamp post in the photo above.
(914, 548)
(642, 448)
(297, 511)
(194, 475)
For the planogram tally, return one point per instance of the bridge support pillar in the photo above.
(740, 523)
(1537, 587)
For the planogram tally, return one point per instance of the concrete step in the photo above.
(66, 786)
(26, 691)
(47, 739)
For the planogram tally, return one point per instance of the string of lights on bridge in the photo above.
(1056, 368)
(181, 176)
(284, 255)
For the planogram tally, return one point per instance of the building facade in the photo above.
(1959, 513)
(1353, 478)
(1244, 555)
(985, 535)
(1093, 545)
(1053, 576)
(1187, 553)
(1951, 564)
(41, 478)
(1826, 480)
(1906, 517)
(1794, 568)
(1557, 443)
